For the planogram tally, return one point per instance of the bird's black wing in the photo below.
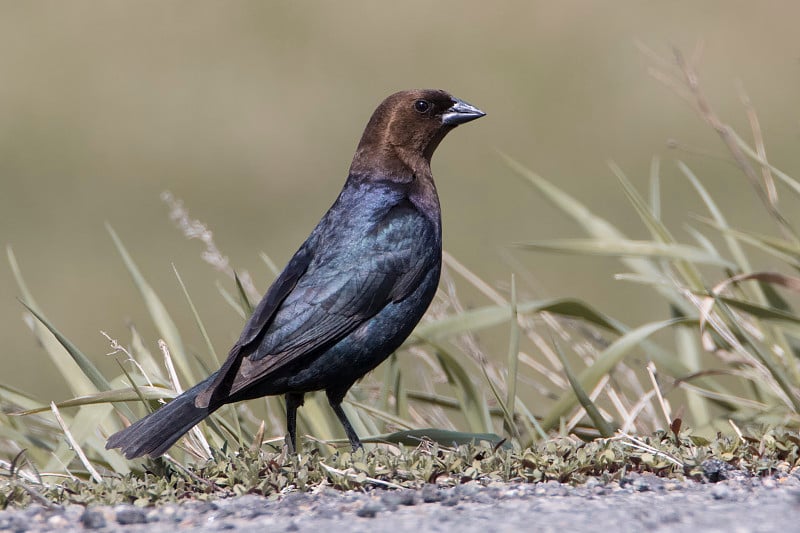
(262, 315)
(342, 291)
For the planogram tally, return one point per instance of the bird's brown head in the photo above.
(406, 128)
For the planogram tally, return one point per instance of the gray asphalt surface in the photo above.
(638, 503)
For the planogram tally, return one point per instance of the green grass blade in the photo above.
(27, 438)
(144, 357)
(84, 363)
(74, 377)
(245, 301)
(158, 312)
(209, 345)
(605, 361)
(760, 311)
(655, 187)
(508, 417)
(18, 398)
(381, 414)
(716, 213)
(777, 247)
(596, 226)
(317, 418)
(128, 394)
(628, 248)
(473, 403)
(392, 382)
(494, 315)
(414, 437)
(774, 368)
(510, 427)
(657, 228)
(588, 405)
(230, 300)
(271, 265)
(687, 345)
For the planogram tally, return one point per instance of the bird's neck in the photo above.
(389, 162)
(422, 194)
(408, 170)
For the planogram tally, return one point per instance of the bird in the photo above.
(350, 295)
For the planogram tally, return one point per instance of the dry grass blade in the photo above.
(639, 444)
(726, 134)
(792, 183)
(355, 476)
(176, 386)
(665, 408)
(76, 446)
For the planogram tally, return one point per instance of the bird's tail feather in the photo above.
(154, 434)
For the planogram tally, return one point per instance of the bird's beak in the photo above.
(461, 112)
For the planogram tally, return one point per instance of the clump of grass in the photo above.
(585, 384)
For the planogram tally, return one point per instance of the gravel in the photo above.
(736, 502)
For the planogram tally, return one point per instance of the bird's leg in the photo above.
(355, 442)
(335, 400)
(293, 401)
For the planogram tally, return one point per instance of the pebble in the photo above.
(128, 514)
(370, 509)
(92, 519)
(57, 522)
(431, 494)
(721, 492)
(408, 497)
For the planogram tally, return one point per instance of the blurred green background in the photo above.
(250, 112)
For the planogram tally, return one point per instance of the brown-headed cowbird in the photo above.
(351, 294)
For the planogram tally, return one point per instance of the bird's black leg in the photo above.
(293, 401)
(335, 399)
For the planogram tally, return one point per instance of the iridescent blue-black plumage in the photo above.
(351, 294)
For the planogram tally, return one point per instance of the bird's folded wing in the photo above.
(329, 300)
(313, 318)
(259, 320)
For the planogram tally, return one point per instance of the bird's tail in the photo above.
(154, 434)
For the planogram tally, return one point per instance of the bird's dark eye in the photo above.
(422, 106)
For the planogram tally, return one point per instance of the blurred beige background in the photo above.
(250, 111)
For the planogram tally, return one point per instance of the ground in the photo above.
(636, 503)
